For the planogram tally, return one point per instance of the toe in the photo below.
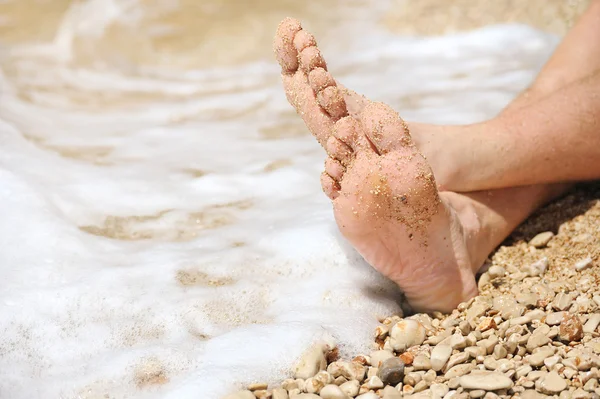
(384, 128)
(310, 58)
(332, 101)
(283, 45)
(348, 131)
(330, 187)
(335, 169)
(319, 79)
(338, 150)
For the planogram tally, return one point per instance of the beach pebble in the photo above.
(279, 393)
(380, 356)
(348, 370)
(374, 382)
(245, 394)
(583, 264)
(350, 388)
(538, 268)
(531, 394)
(421, 362)
(392, 371)
(536, 340)
(554, 318)
(489, 381)
(311, 362)
(332, 392)
(459, 370)
(407, 333)
(551, 384)
(570, 329)
(562, 301)
(368, 395)
(496, 271)
(439, 356)
(542, 239)
(537, 359)
(592, 323)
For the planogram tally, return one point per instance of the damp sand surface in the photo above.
(163, 232)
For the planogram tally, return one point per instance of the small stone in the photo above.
(489, 381)
(483, 281)
(245, 394)
(280, 393)
(305, 396)
(517, 321)
(500, 351)
(374, 383)
(580, 394)
(477, 393)
(367, 395)
(523, 370)
(554, 318)
(439, 356)
(350, 388)
(258, 386)
(486, 324)
(421, 362)
(407, 358)
(457, 341)
(311, 362)
(459, 358)
(592, 323)
(332, 392)
(537, 359)
(542, 239)
(392, 371)
(458, 371)
(583, 264)
(536, 340)
(562, 301)
(348, 370)
(551, 361)
(528, 299)
(421, 386)
(570, 329)
(391, 393)
(407, 333)
(591, 385)
(551, 384)
(531, 394)
(538, 268)
(496, 271)
(439, 390)
(380, 356)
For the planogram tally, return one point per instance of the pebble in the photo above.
(551, 384)
(583, 264)
(350, 388)
(332, 392)
(459, 370)
(454, 360)
(311, 362)
(554, 318)
(592, 323)
(392, 371)
(367, 395)
(439, 356)
(537, 359)
(245, 394)
(538, 268)
(407, 333)
(380, 356)
(279, 393)
(488, 381)
(542, 239)
(562, 301)
(570, 329)
(421, 362)
(536, 340)
(496, 271)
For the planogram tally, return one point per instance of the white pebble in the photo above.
(583, 264)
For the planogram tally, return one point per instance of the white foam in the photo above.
(84, 315)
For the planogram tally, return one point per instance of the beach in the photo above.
(163, 231)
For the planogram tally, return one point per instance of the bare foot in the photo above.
(386, 202)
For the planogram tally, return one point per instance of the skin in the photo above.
(385, 198)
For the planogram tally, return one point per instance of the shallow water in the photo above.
(163, 231)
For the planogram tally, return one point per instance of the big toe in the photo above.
(384, 127)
